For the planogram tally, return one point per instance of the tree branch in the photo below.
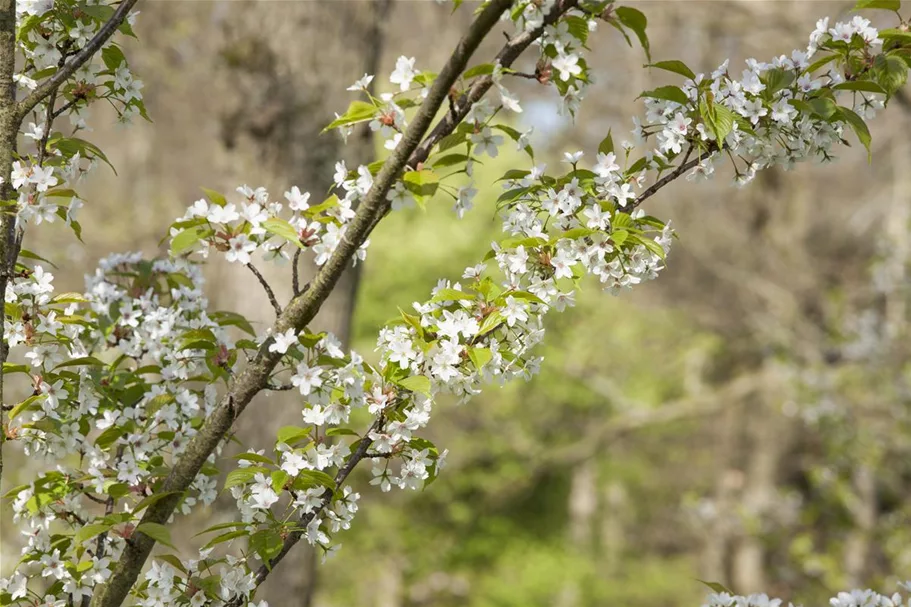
(79, 59)
(682, 168)
(511, 51)
(269, 292)
(298, 313)
(9, 130)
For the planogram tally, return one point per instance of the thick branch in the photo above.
(9, 129)
(79, 59)
(298, 313)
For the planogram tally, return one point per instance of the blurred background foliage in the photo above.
(744, 419)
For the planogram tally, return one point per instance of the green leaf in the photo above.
(722, 123)
(279, 478)
(282, 229)
(451, 295)
(889, 5)
(215, 197)
(315, 478)
(157, 532)
(70, 145)
(777, 79)
(99, 12)
(484, 69)
(490, 323)
(895, 34)
(292, 434)
(416, 383)
(109, 437)
(607, 144)
(241, 476)
(341, 432)
(232, 318)
(220, 526)
(449, 160)
(636, 21)
(823, 107)
(860, 128)
(173, 561)
(186, 239)
(479, 356)
(254, 457)
(78, 362)
(15, 368)
(668, 93)
(678, 67)
(578, 28)
(715, 586)
(87, 532)
(148, 501)
(226, 537)
(30, 255)
(820, 63)
(112, 56)
(423, 184)
(266, 543)
(68, 298)
(891, 72)
(358, 111)
(865, 86)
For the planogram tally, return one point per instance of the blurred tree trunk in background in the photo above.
(291, 63)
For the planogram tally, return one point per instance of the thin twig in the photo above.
(268, 289)
(66, 106)
(340, 477)
(683, 167)
(79, 59)
(280, 387)
(48, 125)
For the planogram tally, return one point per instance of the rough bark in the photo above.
(9, 127)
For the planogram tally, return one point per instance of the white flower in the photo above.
(567, 65)
(297, 201)
(486, 142)
(404, 73)
(225, 214)
(307, 378)
(283, 341)
(239, 249)
(514, 310)
(362, 84)
(261, 493)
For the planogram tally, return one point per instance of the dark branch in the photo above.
(79, 59)
(267, 288)
(683, 167)
(295, 273)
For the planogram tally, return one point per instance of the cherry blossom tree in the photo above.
(135, 385)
